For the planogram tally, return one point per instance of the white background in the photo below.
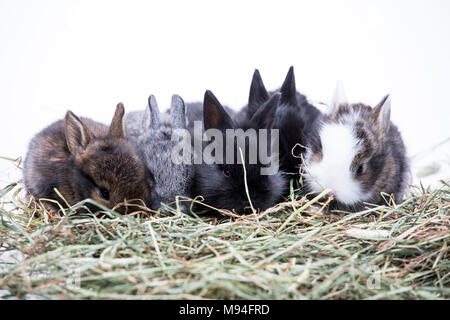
(88, 55)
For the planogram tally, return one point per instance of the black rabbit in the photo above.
(224, 186)
(295, 118)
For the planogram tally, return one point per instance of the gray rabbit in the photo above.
(151, 134)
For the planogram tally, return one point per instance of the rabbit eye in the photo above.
(104, 193)
(226, 172)
(360, 170)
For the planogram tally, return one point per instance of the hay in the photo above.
(291, 251)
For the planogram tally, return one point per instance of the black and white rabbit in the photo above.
(224, 186)
(357, 152)
(152, 135)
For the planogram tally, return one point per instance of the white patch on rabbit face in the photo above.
(333, 170)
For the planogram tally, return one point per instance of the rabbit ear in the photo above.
(382, 113)
(117, 129)
(339, 97)
(288, 90)
(264, 116)
(258, 94)
(154, 112)
(214, 115)
(178, 112)
(78, 135)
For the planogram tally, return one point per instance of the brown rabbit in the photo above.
(85, 159)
